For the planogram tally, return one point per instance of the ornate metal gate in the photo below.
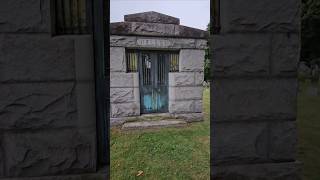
(153, 71)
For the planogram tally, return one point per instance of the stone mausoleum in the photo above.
(156, 66)
(50, 116)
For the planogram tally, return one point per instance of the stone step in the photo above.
(153, 124)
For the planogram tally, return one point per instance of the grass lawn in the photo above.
(309, 133)
(172, 153)
(184, 153)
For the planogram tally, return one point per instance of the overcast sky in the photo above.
(192, 13)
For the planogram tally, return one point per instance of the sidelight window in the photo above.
(71, 16)
(174, 62)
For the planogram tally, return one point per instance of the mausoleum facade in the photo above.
(156, 66)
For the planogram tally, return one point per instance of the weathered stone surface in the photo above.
(266, 171)
(283, 141)
(186, 79)
(151, 42)
(49, 152)
(184, 31)
(171, 43)
(153, 124)
(241, 54)
(186, 106)
(119, 95)
(263, 16)
(155, 29)
(198, 106)
(37, 105)
(139, 28)
(123, 41)
(264, 99)
(117, 121)
(241, 143)
(29, 57)
(202, 44)
(84, 58)
(248, 142)
(185, 93)
(183, 106)
(199, 78)
(150, 29)
(285, 54)
(124, 80)
(25, 16)
(117, 59)
(86, 105)
(125, 109)
(191, 60)
(184, 43)
(151, 17)
(189, 117)
(182, 79)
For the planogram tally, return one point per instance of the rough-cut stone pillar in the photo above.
(254, 90)
(47, 96)
(185, 86)
(124, 87)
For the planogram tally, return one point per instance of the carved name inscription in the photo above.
(153, 42)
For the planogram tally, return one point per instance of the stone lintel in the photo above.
(160, 43)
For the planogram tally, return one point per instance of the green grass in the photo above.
(183, 153)
(309, 133)
(172, 153)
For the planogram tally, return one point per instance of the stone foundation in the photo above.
(187, 117)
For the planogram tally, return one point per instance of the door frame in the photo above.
(157, 52)
(101, 38)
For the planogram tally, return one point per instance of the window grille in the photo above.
(72, 16)
(132, 62)
(174, 62)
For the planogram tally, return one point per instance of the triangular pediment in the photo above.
(151, 17)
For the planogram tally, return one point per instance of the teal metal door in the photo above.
(153, 73)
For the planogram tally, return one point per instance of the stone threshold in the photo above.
(153, 124)
(186, 117)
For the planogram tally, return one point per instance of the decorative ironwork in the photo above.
(146, 69)
(132, 61)
(72, 16)
(161, 69)
(154, 68)
(174, 62)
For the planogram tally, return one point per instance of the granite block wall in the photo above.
(47, 101)
(254, 90)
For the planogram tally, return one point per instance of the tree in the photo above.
(207, 60)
